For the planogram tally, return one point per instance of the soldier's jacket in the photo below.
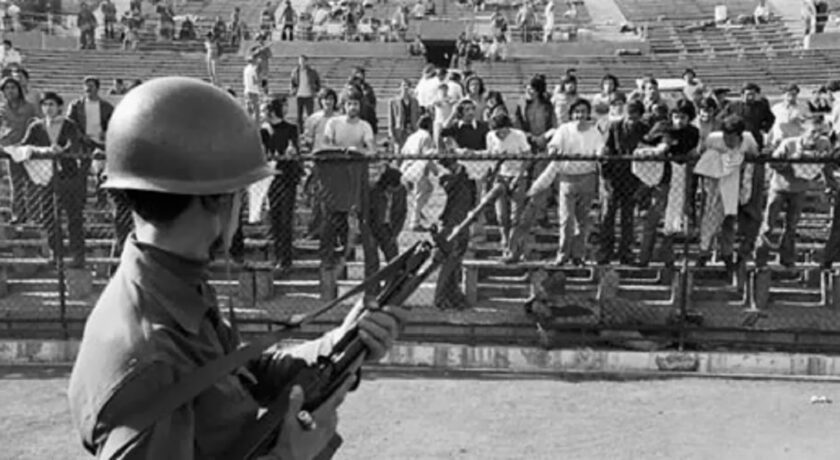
(157, 321)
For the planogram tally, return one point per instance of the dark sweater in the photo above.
(622, 139)
(276, 139)
(69, 136)
(467, 136)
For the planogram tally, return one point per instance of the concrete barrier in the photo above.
(515, 359)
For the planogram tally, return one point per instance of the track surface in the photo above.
(406, 416)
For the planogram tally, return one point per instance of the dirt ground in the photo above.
(409, 416)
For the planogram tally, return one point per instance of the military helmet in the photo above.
(182, 136)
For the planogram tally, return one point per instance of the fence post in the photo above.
(58, 251)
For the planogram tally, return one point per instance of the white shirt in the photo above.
(567, 140)
(455, 92)
(418, 143)
(426, 91)
(342, 133)
(314, 128)
(515, 143)
(789, 120)
(250, 79)
(10, 56)
(93, 120)
(304, 90)
(443, 108)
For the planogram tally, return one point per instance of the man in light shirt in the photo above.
(788, 184)
(578, 180)
(790, 114)
(504, 139)
(251, 84)
(314, 128)
(313, 137)
(349, 131)
(427, 87)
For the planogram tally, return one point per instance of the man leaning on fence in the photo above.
(619, 186)
(726, 183)
(789, 183)
(55, 135)
(342, 190)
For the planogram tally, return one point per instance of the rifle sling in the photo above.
(147, 413)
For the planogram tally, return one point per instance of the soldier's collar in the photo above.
(179, 285)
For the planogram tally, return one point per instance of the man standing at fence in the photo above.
(280, 141)
(92, 114)
(342, 194)
(727, 182)
(758, 119)
(578, 181)
(788, 185)
(15, 116)
(53, 135)
(619, 185)
(305, 84)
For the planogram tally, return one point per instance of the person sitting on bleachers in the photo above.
(788, 184)
(761, 15)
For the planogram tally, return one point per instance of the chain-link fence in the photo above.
(640, 251)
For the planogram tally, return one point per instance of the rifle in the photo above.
(408, 271)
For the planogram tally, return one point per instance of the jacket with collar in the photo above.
(396, 115)
(76, 113)
(313, 77)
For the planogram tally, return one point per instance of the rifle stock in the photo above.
(320, 381)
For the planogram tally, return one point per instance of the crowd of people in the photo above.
(705, 186)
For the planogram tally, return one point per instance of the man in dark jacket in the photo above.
(388, 203)
(55, 134)
(92, 114)
(460, 199)
(305, 84)
(279, 139)
(619, 184)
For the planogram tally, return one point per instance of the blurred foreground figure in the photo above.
(158, 319)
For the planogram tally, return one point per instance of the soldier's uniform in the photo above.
(157, 321)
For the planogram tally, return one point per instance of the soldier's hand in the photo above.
(304, 441)
(378, 328)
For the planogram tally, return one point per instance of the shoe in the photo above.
(702, 260)
(578, 261)
(627, 260)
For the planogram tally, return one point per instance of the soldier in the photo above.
(158, 320)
